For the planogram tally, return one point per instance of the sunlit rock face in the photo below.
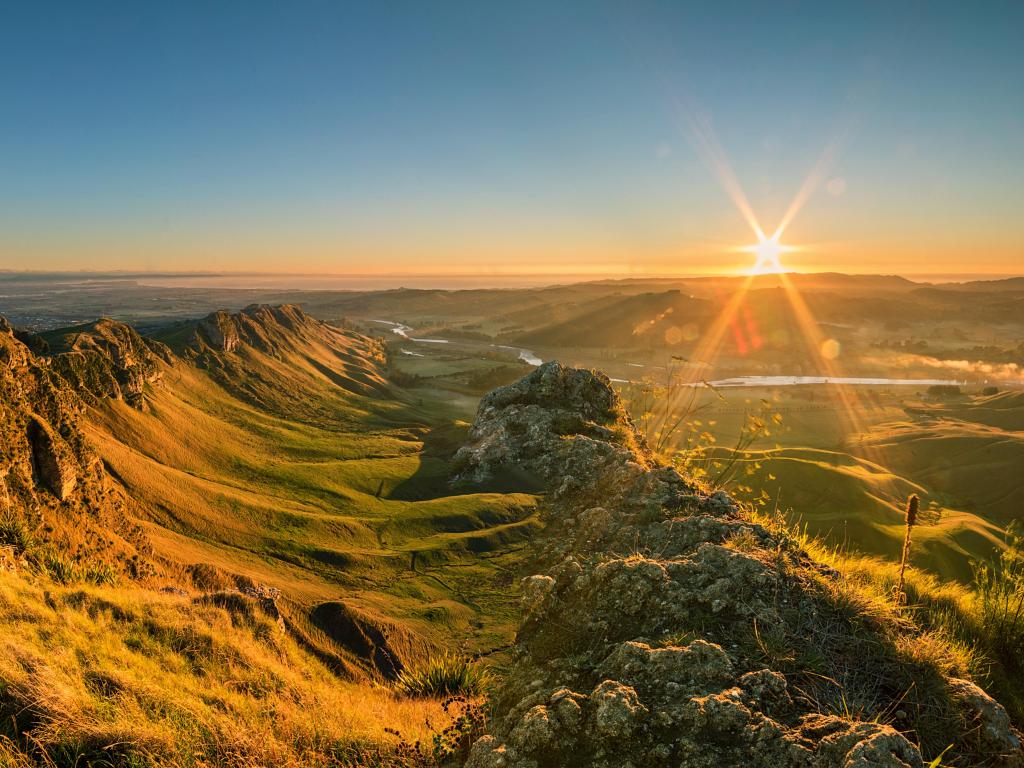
(666, 628)
(110, 359)
(261, 326)
(54, 463)
(51, 482)
(219, 331)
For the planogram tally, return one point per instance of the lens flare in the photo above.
(768, 253)
(737, 316)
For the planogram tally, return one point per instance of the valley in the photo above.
(293, 463)
(511, 385)
(849, 452)
(290, 460)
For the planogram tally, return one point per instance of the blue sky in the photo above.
(465, 137)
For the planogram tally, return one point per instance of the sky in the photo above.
(520, 138)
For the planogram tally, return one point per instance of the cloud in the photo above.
(999, 371)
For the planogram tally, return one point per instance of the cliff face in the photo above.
(42, 450)
(110, 359)
(667, 628)
(50, 481)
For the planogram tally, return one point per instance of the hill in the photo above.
(274, 449)
(668, 627)
(858, 505)
(1015, 284)
(224, 546)
(643, 320)
(949, 455)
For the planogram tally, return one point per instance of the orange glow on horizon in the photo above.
(769, 252)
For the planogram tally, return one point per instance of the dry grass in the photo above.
(100, 675)
(916, 646)
(948, 625)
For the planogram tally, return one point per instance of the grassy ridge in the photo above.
(321, 488)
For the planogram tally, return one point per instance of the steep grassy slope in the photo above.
(125, 676)
(276, 450)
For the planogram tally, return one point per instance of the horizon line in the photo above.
(585, 276)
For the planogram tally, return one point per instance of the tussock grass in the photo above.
(941, 630)
(97, 675)
(446, 674)
(15, 533)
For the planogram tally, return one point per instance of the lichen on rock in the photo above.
(651, 638)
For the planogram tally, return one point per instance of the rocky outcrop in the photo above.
(52, 459)
(986, 716)
(13, 353)
(219, 331)
(667, 628)
(51, 482)
(110, 359)
(261, 326)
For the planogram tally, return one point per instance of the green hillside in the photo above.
(858, 505)
(291, 461)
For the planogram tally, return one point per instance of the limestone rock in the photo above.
(658, 611)
(987, 715)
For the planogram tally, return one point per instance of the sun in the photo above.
(768, 253)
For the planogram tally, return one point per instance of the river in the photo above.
(529, 357)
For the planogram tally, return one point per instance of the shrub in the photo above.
(465, 725)
(58, 567)
(448, 674)
(99, 573)
(14, 533)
